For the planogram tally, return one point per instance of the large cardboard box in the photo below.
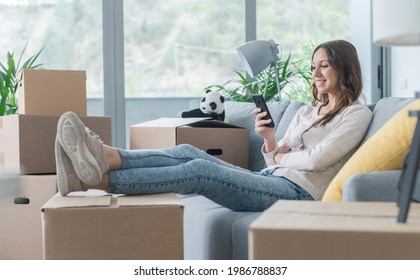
(226, 141)
(27, 141)
(20, 215)
(327, 230)
(105, 227)
(52, 92)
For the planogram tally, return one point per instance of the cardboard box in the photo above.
(326, 230)
(52, 92)
(27, 141)
(226, 141)
(20, 229)
(124, 227)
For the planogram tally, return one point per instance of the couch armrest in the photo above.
(375, 186)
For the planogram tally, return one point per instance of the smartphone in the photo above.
(260, 103)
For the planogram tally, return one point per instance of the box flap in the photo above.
(213, 124)
(76, 200)
(169, 122)
(334, 231)
(190, 122)
(147, 200)
(333, 216)
(97, 198)
(337, 208)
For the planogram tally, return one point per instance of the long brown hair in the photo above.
(343, 57)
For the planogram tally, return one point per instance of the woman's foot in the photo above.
(83, 148)
(67, 179)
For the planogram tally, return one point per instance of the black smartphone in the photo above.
(260, 103)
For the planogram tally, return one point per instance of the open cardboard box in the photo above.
(328, 230)
(226, 141)
(91, 225)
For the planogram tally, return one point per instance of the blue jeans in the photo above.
(185, 169)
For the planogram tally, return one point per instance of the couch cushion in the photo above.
(383, 111)
(240, 229)
(287, 117)
(203, 237)
(383, 186)
(208, 230)
(385, 150)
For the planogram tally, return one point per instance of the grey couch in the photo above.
(214, 232)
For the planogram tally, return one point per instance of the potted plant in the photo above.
(294, 79)
(9, 80)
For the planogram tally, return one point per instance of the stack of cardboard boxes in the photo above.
(82, 225)
(27, 150)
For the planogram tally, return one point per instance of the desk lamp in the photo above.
(256, 56)
(397, 23)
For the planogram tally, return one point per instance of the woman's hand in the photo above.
(267, 133)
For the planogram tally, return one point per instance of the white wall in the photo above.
(405, 71)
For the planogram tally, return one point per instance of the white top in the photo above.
(326, 149)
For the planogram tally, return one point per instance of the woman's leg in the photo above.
(181, 169)
(165, 157)
(234, 188)
(80, 153)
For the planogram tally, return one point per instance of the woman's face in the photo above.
(325, 77)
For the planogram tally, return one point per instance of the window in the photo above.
(172, 48)
(178, 47)
(298, 27)
(69, 31)
(291, 23)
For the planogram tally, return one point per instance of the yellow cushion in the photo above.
(385, 150)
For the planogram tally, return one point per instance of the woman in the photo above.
(321, 137)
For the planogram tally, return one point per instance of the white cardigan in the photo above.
(326, 149)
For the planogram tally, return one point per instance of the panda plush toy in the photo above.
(211, 105)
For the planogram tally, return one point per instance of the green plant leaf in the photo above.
(8, 81)
(294, 80)
(30, 62)
(21, 54)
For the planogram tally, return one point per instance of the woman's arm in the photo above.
(272, 156)
(343, 138)
(268, 133)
